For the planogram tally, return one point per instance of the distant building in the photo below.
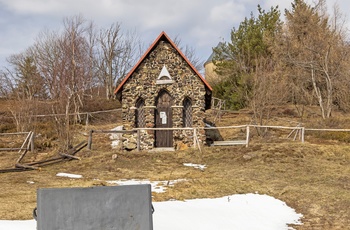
(163, 90)
(209, 67)
(209, 70)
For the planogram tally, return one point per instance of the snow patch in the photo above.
(156, 186)
(196, 166)
(75, 176)
(243, 212)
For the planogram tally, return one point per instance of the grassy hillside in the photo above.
(313, 178)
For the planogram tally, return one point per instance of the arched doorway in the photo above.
(163, 119)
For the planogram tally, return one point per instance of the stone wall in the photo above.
(143, 84)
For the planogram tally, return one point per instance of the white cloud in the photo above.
(32, 7)
(228, 11)
(198, 23)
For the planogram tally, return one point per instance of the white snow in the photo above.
(244, 212)
(196, 166)
(75, 176)
(239, 211)
(17, 224)
(156, 186)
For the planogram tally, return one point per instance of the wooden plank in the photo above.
(12, 149)
(329, 130)
(70, 156)
(226, 143)
(19, 133)
(26, 166)
(226, 127)
(59, 158)
(113, 131)
(26, 140)
(21, 156)
(13, 170)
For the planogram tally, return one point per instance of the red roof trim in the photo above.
(120, 86)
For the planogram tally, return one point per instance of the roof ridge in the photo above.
(162, 34)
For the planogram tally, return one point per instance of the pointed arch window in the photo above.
(187, 112)
(140, 120)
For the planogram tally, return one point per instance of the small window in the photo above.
(140, 120)
(187, 113)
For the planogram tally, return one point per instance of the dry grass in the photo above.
(313, 178)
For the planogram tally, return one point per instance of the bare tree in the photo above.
(6, 84)
(25, 88)
(315, 47)
(190, 54)
(67, 63)
(118, 54)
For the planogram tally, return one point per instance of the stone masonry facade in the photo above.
(143, 84)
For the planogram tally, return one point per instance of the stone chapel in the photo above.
(163, 91)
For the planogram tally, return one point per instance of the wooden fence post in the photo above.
(90, 140)
(87, 121)
(32, 143)
(302, 134)
(138, 140)
(194, 138)
(198, 144)
(247, 138)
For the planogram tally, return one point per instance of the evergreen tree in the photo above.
(237, 61)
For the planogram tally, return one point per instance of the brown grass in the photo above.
(313, 178)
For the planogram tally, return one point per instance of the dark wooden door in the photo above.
(163, 119)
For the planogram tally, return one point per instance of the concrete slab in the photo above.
(223, 143)
(126, 207)
(162, 149)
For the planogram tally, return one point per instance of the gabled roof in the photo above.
(162, 36)
(221, 47)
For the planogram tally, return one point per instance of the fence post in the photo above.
(87, 121)
(302, 134)
(138, 140)
(247, 138)
(197, 141)
(194, 138)
(32, 143)
(90, 139)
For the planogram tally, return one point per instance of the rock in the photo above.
(130, 146)
(248, 156)
(181, 146)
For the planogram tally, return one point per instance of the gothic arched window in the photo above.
(187, 113)
(140, 120)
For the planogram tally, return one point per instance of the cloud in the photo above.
(227, 11)
(32, 7)
(200, 24)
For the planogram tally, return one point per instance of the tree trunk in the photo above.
(317, 92)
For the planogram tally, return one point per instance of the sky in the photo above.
(200, 24)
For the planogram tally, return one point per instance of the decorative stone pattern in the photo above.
(142, 84)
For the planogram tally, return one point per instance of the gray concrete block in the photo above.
(126, 207)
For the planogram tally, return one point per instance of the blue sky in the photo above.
(201, 24)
